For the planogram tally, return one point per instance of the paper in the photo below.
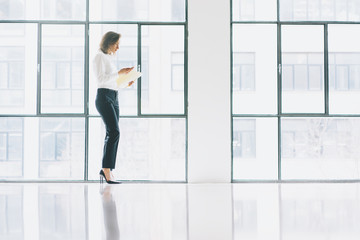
(125, 78)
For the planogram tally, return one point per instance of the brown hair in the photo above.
(109, 39)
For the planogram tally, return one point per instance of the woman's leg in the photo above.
(108, 112)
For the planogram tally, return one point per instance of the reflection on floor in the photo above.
(180, 211)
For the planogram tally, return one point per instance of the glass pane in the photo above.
(126, 56)
(157, 97)
(11, 124)
(16, 72)
(254, 148)
(149, 149)
(254, 69)
(315, 77)
(62, 151)
(300, 77)
(315, 10)
(354, 78)
(177, 71)
(4, 73)
(177, 77)
(342, 77)
(62, 146)
(18, 58)
(320, 148)
(63, 75)
(63, 9)
(11, 147)
(15, 146)
(61, 63)
(302, 69)
(12, 9)
(43, 9)
(344, 64)
(138, 10)
(248, 77)
(254, 10)
(47, 143)
(3, 146)
(42, 148)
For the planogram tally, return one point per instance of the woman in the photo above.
(107, 100)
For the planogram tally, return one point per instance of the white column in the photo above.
(209, 120)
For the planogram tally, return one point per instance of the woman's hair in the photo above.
(109, 39)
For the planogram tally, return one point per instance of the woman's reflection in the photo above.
(110, 214)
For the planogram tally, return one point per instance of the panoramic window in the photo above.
(49, 126)
(295, 79)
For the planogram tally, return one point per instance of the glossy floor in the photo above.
(179, 211)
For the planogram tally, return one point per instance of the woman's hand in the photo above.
(125, 70)
(131, 83)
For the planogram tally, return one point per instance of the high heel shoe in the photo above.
(102, 177)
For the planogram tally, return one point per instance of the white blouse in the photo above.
(105, 71)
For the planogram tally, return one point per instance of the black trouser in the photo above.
(107, 105)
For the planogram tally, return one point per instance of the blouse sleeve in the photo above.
(99, 70)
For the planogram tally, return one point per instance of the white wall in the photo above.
(209, 115)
